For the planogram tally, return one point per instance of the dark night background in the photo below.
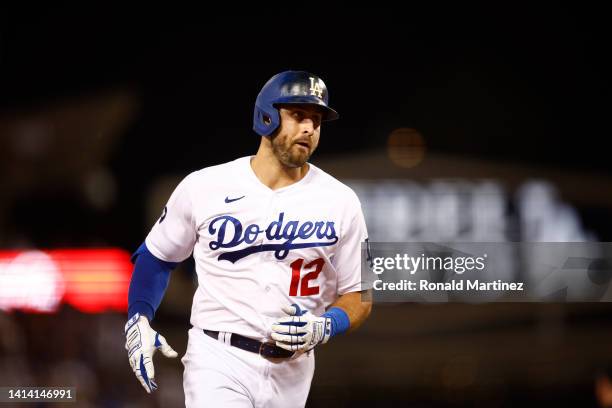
(525, 86)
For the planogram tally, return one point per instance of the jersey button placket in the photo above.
(273, 211)
(269, 257)
(268, 211)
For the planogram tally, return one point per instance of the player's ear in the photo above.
(267, 120)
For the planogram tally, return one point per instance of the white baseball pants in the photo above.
(220, 375)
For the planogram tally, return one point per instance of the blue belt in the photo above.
(267, 350)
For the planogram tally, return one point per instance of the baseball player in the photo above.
(276, 243)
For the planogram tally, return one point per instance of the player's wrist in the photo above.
(142, 308)
(134, 320)
(340, 322)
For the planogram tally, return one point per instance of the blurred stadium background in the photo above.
(472, 125)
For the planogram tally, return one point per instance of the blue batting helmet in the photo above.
(286, 88)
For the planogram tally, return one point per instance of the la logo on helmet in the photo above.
(315, 89)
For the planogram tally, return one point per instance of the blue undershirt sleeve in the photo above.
(149, 282)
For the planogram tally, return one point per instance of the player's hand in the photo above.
(141, 343)
(300, 330)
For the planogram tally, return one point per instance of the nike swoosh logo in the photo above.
(229, 200)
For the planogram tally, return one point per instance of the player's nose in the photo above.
(308, 126)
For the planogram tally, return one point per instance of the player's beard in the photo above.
(289, 153)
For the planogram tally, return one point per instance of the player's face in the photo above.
(298, 134)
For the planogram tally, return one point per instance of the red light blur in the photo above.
(90, 280)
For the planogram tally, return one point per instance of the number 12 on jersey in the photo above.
(296, 271)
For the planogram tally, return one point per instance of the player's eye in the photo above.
(298, 115)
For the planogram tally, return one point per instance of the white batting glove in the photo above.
(301, 330)
(141, 343)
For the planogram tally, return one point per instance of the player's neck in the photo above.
(272, 173)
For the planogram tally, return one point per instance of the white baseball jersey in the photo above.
(257, 249)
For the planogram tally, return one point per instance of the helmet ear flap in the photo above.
(265, 121)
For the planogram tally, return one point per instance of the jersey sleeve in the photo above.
(173, 236)
(347, 260)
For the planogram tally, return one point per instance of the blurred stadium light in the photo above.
(466, 210)
(90, 280)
